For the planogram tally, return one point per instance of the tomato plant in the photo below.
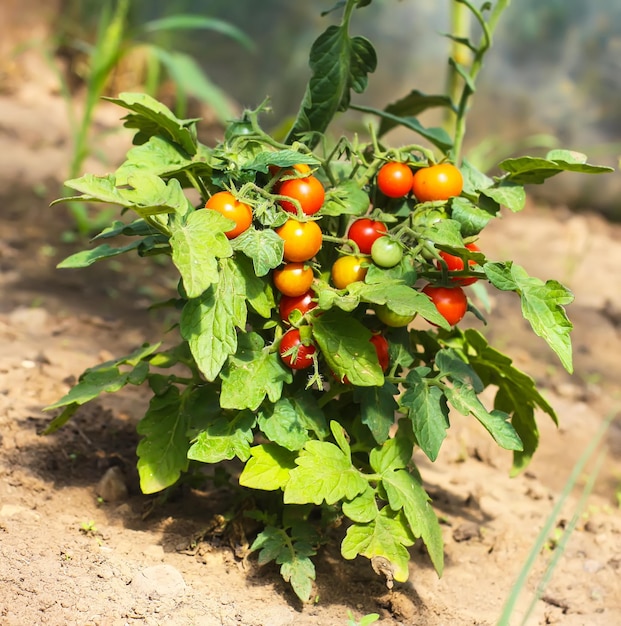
(226, 204)
(437, 182)
(364, 232)
(347, 270)
(293, 279)
(294, 353)
(394, 179)
(302, 240)
(223, 385)
(451, 302)
(309, 192)
(456, 264)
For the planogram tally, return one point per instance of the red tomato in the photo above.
(302, 240)
(394, 179)
(347, 270)
(456, 264)
(293, 279)
(381, 347)
(293, 352)
(364, 232)
(225, 203)
(309, 192)
(437, 182)
(451, 302)
(303, 304)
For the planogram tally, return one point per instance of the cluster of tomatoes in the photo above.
(368, 241)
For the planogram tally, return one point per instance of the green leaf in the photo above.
(150, 195)
(410, 106)
(151, 117)
(259, 292)
(137, 228)
(346, 199)
(450, 364)
(508, 194)
(542, 305)
(157, 156)
(363, 508)
(339, 63)
(251, 374)
(497, 423)
(105, 377)
(344, 342)
(428, 411)
(472, 218)
(268, 468)
(377, 409)
(323, 472)
(405, 491)
(517, 393)
(264, 247)
(401, 299)
(280, 158)
(394, 454)
(209, 322)
(84, 258)
(292, 555)
(224, 439)
(386, 536)
(162, 452)
(435, 135)
(196, 246)
(290, 420)
(533, 170)
(445, 233)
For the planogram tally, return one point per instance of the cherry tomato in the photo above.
(451, 302)
(364, 232)
(293, 352)
(437, 182)
(303, 304)
(309, 192)
(381, 347)
(293, 279)
(390, 318)
(302, 240)
(347, 270)
(386, 252)
(394, 179)
(456, 264)
(225, 203)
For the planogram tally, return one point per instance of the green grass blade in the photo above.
(190, 22)
(562, 544)
(550, 522)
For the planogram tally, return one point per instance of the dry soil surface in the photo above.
(67, 558)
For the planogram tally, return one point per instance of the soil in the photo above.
(70, 557)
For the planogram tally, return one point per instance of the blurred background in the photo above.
(552, 79)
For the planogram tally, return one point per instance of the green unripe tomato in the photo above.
(390, 318)
(386, 252)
